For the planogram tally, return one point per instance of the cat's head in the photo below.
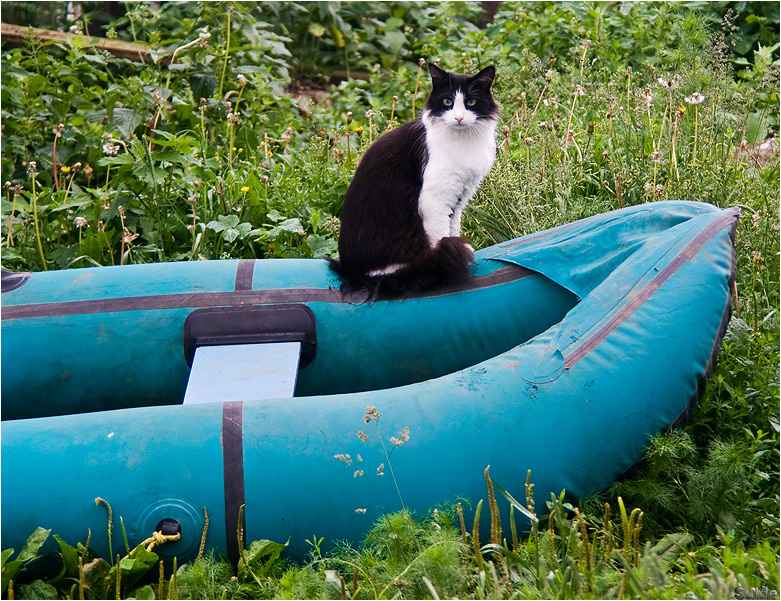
(459, 100)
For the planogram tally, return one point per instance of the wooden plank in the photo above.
(15, 34)
(243, 372)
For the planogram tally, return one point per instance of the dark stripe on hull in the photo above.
(239, 297)
(685, 255)
(244, 272)
(233, 474)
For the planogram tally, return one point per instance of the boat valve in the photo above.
(168, 527)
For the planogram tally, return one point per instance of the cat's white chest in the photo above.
(458, 160)
(461, 156)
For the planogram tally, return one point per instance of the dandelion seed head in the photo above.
(695, 98)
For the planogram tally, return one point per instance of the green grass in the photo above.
(110, 161)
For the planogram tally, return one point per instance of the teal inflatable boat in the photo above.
(563, 353)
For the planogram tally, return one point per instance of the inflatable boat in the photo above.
(562, 353)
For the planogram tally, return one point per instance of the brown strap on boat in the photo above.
(233, 470)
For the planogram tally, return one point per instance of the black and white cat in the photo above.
(401, 220)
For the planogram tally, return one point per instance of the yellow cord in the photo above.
(158, 538)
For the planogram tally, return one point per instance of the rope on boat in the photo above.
(158, 538)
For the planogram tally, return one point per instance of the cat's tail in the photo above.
(448, 262)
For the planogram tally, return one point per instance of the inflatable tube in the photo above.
(70, 337)
(575, 403)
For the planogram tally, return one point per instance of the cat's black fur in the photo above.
(380, 222)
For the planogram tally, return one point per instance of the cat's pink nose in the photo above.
(459, 119)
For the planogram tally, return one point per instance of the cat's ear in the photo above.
(486, 76)
(438, 76)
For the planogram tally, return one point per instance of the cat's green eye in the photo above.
(471, 102)
(447, 102)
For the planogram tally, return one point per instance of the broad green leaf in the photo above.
(395, 39)
(5, 555)
(316, 29)
(10, 568)
(393, 23)
(70, 556)
(37, 589)
(756, 127)
(145, 593)
(216, 226)
(172, 156)
(275, 215)
(126, 120)
(76, 203)
(33, 544)
(262, 554)
(231, 234)
(292, 226)
(229, 220)
(122, 159)
(261, 549)
(135, 566)
(321, 246)
(671, 546)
